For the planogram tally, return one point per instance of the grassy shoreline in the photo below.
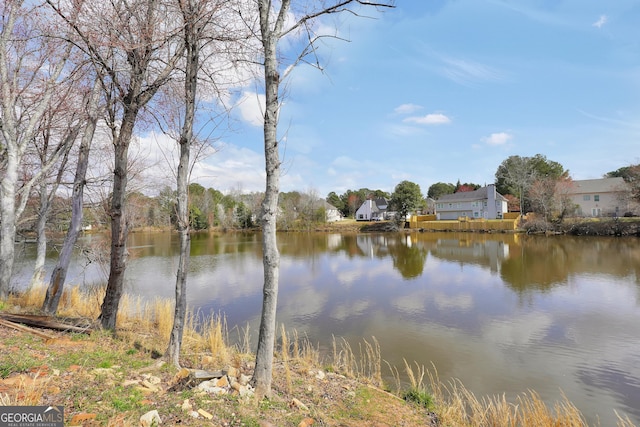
(606, 226)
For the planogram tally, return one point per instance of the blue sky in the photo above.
(446, 90)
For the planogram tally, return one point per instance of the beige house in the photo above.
(484, 203)
(332, 214)
(601, 197)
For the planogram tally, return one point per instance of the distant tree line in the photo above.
(207, 208)
(530, 184)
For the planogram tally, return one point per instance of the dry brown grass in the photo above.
(416, 379)
(284, 357)
(146, 322)
(81, 302)
(457, 406)
(29, 391)
(296, 351)
(366, 365)
(216, 336)
(161, 313)
(624, 421)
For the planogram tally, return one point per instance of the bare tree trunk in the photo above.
(270, 35)
(10, 155)
(41, 235)
(59, 274)
(192, 45)
(8, 221)
(119, 226)
(177, 330)
(47, 194)
(262, 375)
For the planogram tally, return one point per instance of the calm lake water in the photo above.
(502, 313)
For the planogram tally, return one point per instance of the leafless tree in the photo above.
(59, 274)
(550, 197)
(194, 24)
(517, 173)
(541, 194)
(210, 37)
(564, 204)
(60, 127)
(134, 48)
(275, 22)
(33, 66)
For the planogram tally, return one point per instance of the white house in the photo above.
(601, 197)
(332, 214)
(372, 210)
(484, 202)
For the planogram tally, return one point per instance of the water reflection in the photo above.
(542, 263)
(504, 313)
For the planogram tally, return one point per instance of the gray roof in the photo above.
(465, 196)
(328, 206)
(603, 185)
(380, 202)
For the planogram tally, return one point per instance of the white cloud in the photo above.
(499, 138)
(251, 107)
(429, 119)
(231, 168)
(466, 72)
(601, 21)
(407, 108)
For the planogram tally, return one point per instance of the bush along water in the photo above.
(586, 227)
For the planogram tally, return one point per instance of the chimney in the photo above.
(492, 207)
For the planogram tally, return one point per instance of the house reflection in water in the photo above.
(488, 252)
(463, 248)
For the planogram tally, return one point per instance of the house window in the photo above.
(586, 197)
(360, 216)
(596, 198)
